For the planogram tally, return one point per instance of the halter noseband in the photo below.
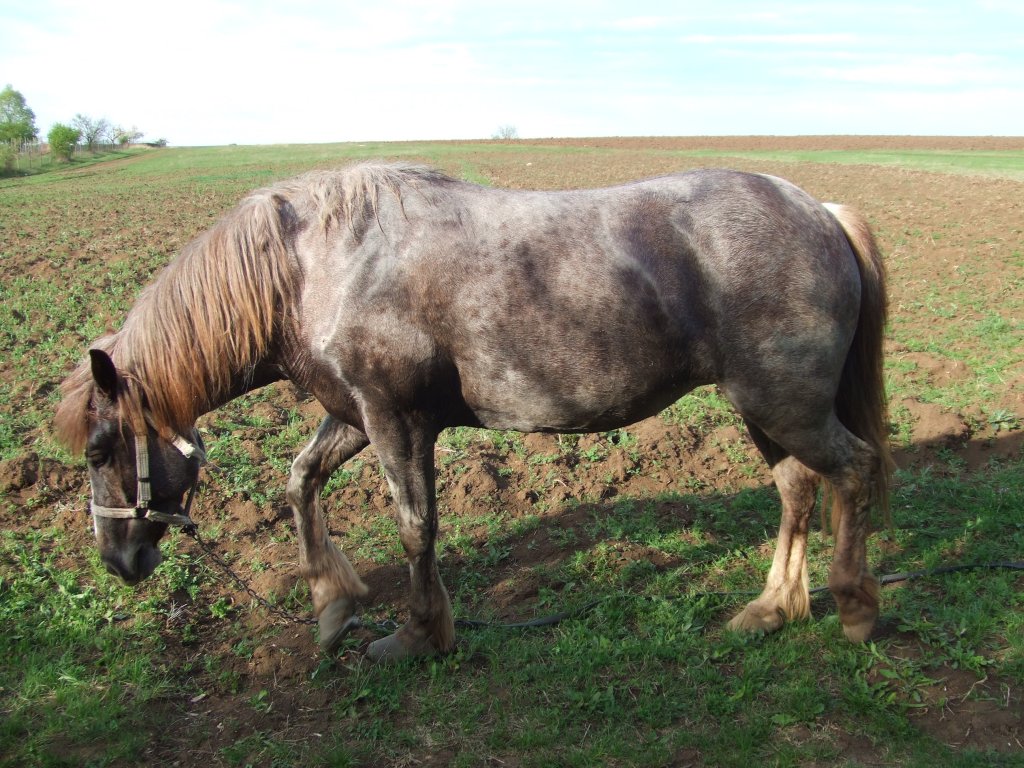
(142, 510)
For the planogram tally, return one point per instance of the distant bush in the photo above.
(63, 139)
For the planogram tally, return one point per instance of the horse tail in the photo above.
(861, 402)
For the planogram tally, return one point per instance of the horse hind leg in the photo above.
(850, 466)
(786, 595)
(333, 583)
(855, 590)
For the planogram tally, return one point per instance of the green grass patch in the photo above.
(82, 665)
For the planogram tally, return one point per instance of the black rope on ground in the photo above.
(892, 578)
(543, 621)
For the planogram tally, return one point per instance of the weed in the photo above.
(221, 608)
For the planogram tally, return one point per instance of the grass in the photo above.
(644, 673)
(82, 658)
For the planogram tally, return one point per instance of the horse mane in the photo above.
(214, 311)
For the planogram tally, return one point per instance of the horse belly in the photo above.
(570, 388)
(573, 344)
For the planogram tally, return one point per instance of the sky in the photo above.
(214, 72)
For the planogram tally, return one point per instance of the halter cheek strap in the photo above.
(144, 494)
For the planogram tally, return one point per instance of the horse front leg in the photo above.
(333, 582)
(407, 455)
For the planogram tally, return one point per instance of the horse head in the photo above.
(139, 477)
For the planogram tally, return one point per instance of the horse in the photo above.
(407, 301)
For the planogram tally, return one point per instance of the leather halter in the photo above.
(142, 510)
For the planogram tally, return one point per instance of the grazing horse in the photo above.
(407, 301)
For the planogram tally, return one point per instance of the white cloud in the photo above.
(797, 38)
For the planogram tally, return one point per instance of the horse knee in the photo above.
(295, 489)
(416, 541)
(301, 475)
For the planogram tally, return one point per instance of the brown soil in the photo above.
(981, 222)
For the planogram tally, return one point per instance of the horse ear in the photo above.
(104, 373)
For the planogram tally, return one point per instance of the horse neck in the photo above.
(257, 376)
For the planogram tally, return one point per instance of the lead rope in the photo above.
(223, 564)
(385, 627)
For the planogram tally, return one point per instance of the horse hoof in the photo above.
(858, 627)
(396, 647)
(335, 622)
(858, 633)
(858, 610)
(757, 619)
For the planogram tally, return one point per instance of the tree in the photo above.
(92, 132)
(125, 136)
(506, 133)
(62, 140)
(17, 121)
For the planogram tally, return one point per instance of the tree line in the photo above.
(18, 128)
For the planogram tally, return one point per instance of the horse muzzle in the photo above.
(133, 564)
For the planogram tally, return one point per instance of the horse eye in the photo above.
(97, 458)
